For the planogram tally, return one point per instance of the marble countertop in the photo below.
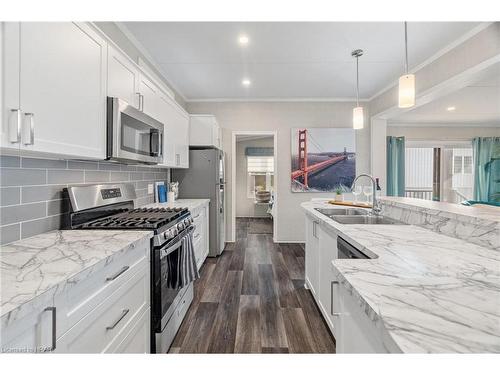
(191, 204)
(431, 292)
(34, 268)
(478, 212)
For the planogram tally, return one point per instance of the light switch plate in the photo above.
(150, 189)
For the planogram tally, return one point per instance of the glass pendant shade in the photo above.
(407, 91)
(357, 118)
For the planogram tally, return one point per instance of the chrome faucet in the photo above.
(375, 206)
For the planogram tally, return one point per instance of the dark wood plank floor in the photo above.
(252, 299)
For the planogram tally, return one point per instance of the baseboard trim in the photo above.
(285, 241)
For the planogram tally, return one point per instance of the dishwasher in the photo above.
(348, 251)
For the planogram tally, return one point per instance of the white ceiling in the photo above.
(288, 60)
(476, 104)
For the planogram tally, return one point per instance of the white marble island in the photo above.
(423, 291)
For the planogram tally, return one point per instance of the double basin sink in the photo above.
(355, 216)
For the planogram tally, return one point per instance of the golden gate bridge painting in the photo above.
(323, 159)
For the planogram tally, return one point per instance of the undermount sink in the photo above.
(365, 220)
(340, 211)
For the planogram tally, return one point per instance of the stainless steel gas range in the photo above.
(112, 207)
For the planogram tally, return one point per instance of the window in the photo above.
(467, 164)
(457, 164)
(260, 174)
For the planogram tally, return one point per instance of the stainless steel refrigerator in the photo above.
(205, 178)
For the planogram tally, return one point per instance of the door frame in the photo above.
(234, 135)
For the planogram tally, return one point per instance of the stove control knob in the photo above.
(180, 226)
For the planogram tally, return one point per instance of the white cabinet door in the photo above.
(205, 131)
(123, 77)
(11, 115)
(176, 133)
(327, 253)
(151, 102)
(31, 333)
(61, 86)
(312, 256)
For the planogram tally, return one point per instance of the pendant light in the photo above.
(407, 81)
(357, 112)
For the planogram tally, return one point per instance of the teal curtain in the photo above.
(486, 153)
(396, 166)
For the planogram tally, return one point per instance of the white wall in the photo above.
(245, 206)
(282, 117)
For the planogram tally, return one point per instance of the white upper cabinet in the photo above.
(205, 131)
(176, 133)
(55, 74)
(123, 77)
(149, 99)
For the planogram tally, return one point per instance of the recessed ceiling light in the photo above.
(246, 82)
(243, 40)
(450, 109)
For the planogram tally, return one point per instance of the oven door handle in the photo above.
(168, 250)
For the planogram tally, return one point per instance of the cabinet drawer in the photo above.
(137, 339)
(77, 300)
(111, 319)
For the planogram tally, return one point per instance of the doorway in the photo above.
(254, 182)
(439, 171)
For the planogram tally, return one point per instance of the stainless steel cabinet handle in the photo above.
(52, 309)
(111, 278)
(315, 230)
(177, 159)
(331, 298)
(196, 235)
(30, 122)
(124, 312)
(196, 217)
(15, 126)
(141, 101)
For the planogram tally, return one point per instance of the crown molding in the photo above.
(277, 99)
(131, 37)
(443, 124)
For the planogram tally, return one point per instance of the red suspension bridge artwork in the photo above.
(324, 159)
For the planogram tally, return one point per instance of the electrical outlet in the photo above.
(150, 189)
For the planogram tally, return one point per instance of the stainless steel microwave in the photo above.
(132, 136)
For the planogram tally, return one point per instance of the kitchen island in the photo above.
(420, 291)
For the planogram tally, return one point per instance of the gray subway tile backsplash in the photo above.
(21, 177)
(64, 176)
(34, 227)
(10, 233)
(41, 193)
(10, 161)
(87, 165)
(23, 212)
(43, 163)
(10, 196)
(31, 190)
(96, 176)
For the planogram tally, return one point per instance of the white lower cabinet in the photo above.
(201, 233)
(327, 253)
(107, 310)
(354, 332)
(30, 334)
(312, 256)
(101, 329)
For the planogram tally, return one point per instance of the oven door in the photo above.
(132, 136)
